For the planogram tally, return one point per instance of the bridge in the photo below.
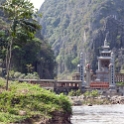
(57, 86)
(66, 86)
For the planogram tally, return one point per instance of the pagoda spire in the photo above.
(106, 38)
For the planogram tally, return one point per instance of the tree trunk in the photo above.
(8, 62)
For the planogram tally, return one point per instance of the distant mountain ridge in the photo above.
(72, 26)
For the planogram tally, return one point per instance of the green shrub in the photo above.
(19, 75)
(74, 93)
(93, 93)
(87, 93)
(22, 76)
(2, 83)
(78, 93)
(32, 76)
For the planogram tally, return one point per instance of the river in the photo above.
(98, 114)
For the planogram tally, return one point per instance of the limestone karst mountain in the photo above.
(72, 26)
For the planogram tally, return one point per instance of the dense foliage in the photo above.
(72, 26)
(31, 99)
(29, 53)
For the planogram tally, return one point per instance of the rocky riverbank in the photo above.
(58, 117)
(100, 100)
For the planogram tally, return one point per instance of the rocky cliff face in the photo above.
(115, 29)
(74, 26)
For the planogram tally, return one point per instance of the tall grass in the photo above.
(30, 98)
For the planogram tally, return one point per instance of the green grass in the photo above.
(30, 98)
(120, 83)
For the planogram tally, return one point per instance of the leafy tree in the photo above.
(26, 55)
(20, 15)
(46, 62)
(36, 54)
(3, 42)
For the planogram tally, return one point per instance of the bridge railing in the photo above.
(55, 84)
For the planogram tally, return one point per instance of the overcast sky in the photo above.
(37, 3)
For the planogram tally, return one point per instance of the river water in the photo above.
(98, 114)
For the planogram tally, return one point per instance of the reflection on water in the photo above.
(98, 114)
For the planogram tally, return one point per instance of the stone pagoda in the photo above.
(106, 69)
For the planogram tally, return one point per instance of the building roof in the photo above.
(99, 84)
(104, 57)
(105, 51)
